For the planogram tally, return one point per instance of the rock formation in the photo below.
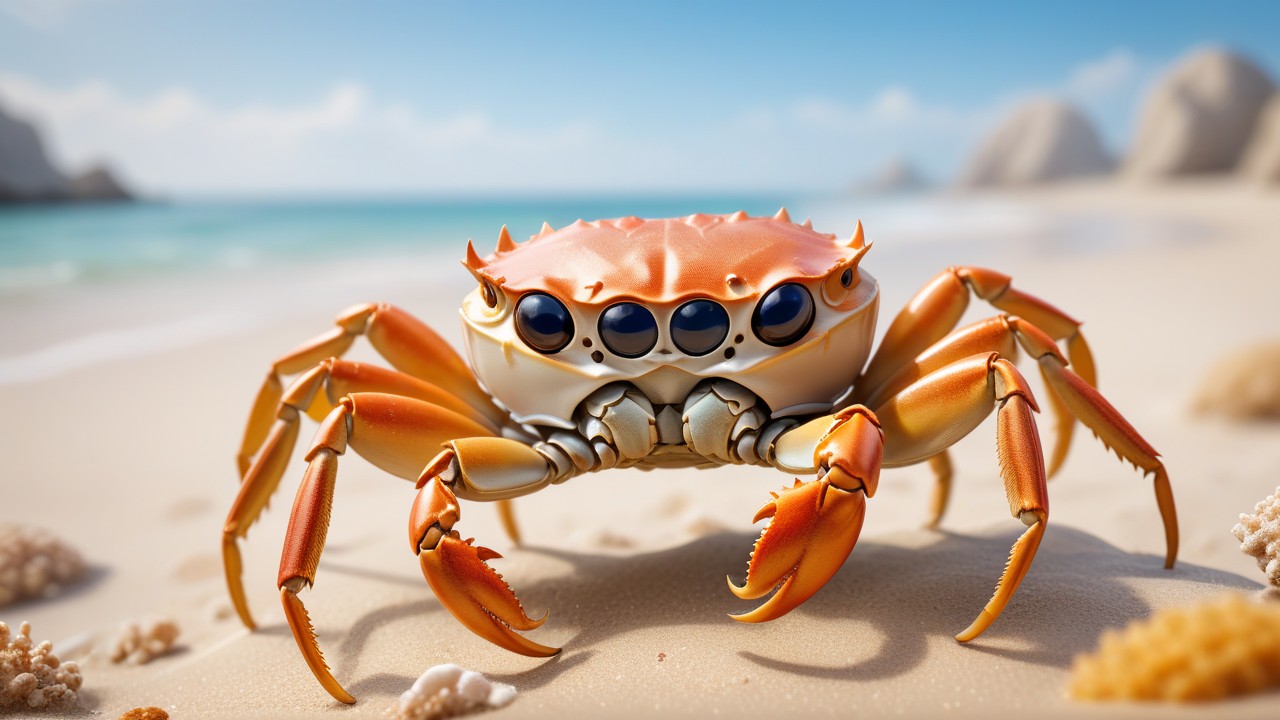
(1261, 159)
(98, 185)
(25, 170)
(898, 175)
(28, 175)
(1199, 116)
(1040, 141)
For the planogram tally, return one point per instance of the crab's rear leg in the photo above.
(1004, 334)
(936, 310)
(1071, 396)
(944, 406)
(394, 433)
(406, 342)
(330, 378)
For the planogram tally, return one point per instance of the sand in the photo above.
(130, 459)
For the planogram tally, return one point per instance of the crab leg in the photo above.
(1117, 434)
(940, 464)
(392, 432)
(311, 391)
(815, 524)
(1003, 334)
(939, 409)
(937, 309)
(407, 343)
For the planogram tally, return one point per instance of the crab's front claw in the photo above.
(815, 525)
(458, 573)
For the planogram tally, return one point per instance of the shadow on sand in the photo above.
(912, 588)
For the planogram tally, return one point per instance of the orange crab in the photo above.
(697, 341)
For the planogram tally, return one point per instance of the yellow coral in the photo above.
(1211, 651)
(1259, 536)
(1245, 385)
(32, 675)
(33, 563)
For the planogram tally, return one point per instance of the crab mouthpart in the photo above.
(815, 525)
(478, 596)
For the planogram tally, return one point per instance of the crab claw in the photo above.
(478, 596)
(458, 573)
(814, 527)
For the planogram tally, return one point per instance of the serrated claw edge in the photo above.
(814, 527)
(475, 594)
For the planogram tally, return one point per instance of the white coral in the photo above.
(141, 642)
(32, 675)
(446, 691)
(34, 563)
(1259, 536)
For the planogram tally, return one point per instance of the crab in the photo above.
(650, 343)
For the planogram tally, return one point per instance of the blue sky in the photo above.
(295, 97)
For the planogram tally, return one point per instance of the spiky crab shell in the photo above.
(723, 257)
(734, 260)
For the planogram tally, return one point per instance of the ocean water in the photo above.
(81, 285)
(44, 247)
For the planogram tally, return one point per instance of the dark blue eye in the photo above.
(628, 329)
(784, 315)
(543, 323)
(699, 326)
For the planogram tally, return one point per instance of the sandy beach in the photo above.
(130, 459)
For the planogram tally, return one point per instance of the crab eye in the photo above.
(699, 326)
(543, 323)
(628, 329)
(784, 315)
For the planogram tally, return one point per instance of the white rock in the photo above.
(1199, 116)
(1040, 141)
(1261, 159)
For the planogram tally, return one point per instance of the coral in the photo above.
(1245, 385)
(1259, 535)
(446, 691)
(33, 563)
(32, 676)
(142, 642)
(145, 713)
(1217, 649)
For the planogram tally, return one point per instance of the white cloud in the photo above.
(1112, 73)
(39, 14)
(348, 139)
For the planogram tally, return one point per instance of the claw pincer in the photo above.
(815, 524)
(458, 573)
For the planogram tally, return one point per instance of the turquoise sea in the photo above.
(44, 247)
(81, 285)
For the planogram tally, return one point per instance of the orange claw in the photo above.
(478, 596)
(457, 571)
(815, 526)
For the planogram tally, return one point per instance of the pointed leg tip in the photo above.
(976, 628)
(342, 696)
(246, 619)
